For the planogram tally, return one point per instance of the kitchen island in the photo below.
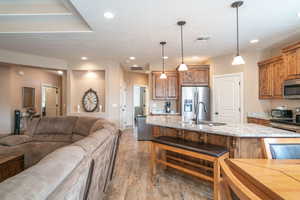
(241, 140)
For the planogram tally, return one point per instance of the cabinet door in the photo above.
(195, 77)
(265, 81)
(172, 86)
(279, 75)
(159, 87)
(291, 62)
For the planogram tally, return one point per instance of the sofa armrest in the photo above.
(13, 140)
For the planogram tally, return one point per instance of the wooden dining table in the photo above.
(271, 179)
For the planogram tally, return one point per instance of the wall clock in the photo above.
(90, 100)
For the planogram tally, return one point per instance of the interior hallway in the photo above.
(132, 180)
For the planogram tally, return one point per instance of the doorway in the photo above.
(50, 101)
(140, 101)
(228, 98)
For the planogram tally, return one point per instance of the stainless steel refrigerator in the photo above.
(195, 102)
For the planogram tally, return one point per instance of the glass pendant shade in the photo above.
(183, 67)
(238, 60)
(163, 76)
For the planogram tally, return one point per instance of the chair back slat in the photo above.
(233, 188)
(281, 148)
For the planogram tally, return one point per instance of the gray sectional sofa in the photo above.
(68, 158)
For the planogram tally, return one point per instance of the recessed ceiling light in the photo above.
(254, 41)
(134, 65)
(109, 15)
(132, 58)
(60, 72)
(195, 57)
(84, 58)
(166, 57)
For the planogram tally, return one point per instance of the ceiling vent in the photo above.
(204, 38)
(137, 68)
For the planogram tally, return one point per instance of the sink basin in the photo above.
(210, 123)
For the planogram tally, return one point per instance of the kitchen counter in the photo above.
(234, 130)
(259, 115)
(164, 113)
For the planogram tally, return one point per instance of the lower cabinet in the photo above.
(263, 122)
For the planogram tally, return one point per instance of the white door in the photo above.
(123, 107)
(227, 98)
(51, 102)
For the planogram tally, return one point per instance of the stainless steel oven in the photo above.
(291, 89)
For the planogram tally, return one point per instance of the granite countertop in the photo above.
(234, 130)
(164, 113)
(259, 115)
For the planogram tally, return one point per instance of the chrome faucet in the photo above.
(197, 107)
(197, 110)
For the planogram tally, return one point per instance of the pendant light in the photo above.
(237, 60)
(163, 74)
(182, 66)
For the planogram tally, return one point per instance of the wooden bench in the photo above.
(183, 150)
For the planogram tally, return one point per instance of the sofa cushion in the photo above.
(13, 140)
(32, 124)
(56, 125)
(52, 138)
(44, 177)
(90, 143)
(86, 125)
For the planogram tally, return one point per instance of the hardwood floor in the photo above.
(132, 179)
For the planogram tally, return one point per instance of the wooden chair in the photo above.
(281, 148)
(232, 188)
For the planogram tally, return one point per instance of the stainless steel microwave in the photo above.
(291, 89)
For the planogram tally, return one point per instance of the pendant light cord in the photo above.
(163, 57)
(182, 61)
(237, 31)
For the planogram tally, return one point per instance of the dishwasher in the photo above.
(142, 130)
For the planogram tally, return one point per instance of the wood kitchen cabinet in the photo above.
(263, 122)
(272, 74)
(197, 75)
(165, 88)
(291, 55)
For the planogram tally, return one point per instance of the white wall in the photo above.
(31, 60)
(5, 106)
(222, 65)
(83, 80)
(113, 82)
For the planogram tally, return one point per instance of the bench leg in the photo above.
(164, 158)
(153, 159)
(217, 175)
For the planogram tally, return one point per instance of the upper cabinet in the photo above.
(197, 75)
(291, 55)
(272, 73)
(165, 88)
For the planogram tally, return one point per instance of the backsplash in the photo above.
(291, 104)
(159, 105)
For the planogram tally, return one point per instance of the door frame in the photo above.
(59, 97)
(241, 76)
(146, 102)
